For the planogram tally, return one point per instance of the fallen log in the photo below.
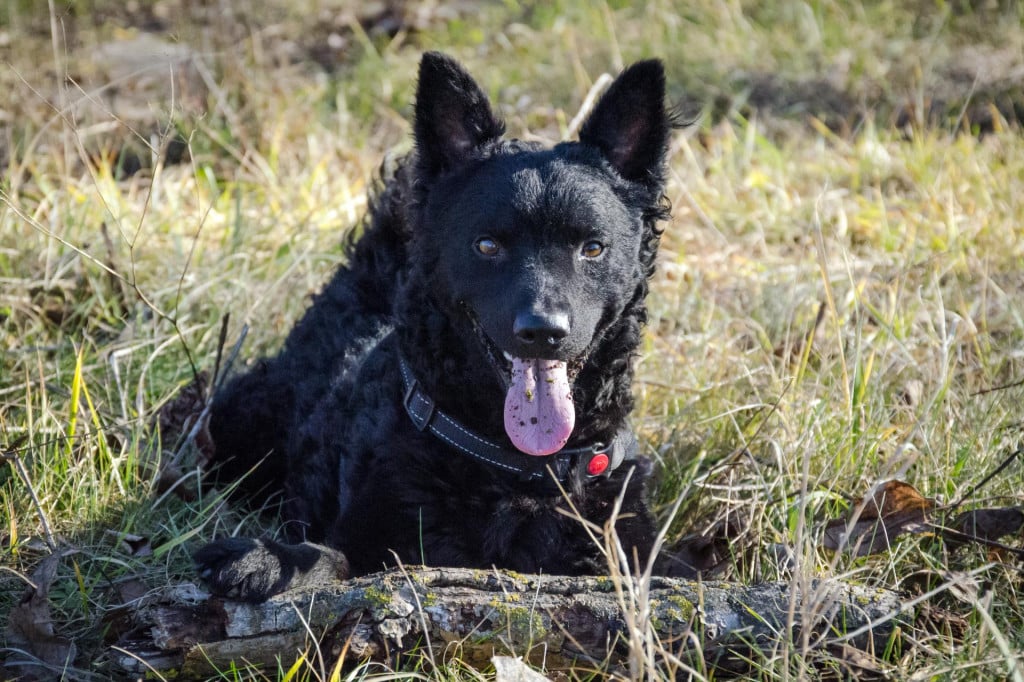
(558, 621)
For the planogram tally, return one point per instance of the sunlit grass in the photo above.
(832, 308)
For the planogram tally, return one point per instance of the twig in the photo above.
(1002, 387)
(146, 665)
(204, 415)
(1005, 463)
(599, 86)
(235, 350)
(221, 339)
(11, 454)
(959, 536)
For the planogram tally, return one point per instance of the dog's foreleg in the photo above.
(255, 570)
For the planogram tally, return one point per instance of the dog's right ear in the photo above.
(453, 116)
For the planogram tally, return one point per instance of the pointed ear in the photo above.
(453, 116)
(630, 124)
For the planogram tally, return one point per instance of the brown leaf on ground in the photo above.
(942, 621)
(131, 544)
(177, 418)
(132, 590)
(845, 662)
(983, 524)
(35, 650)
(893, 508)
(708, 553)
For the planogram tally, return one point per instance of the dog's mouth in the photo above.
(539, 410)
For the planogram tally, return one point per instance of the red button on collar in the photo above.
(598, 463)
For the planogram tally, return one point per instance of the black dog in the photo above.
(467, 373)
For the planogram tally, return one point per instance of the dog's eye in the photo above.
(486, 246)
(592, 250)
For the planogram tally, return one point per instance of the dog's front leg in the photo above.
(255, 570)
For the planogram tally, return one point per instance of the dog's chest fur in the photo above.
(392, 488)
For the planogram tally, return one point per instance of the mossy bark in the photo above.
(563, 621)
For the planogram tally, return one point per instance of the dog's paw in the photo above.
(239, 568)
(255, 570)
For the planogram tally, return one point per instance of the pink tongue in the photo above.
(539, 414)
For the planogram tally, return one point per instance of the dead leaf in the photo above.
(31, 637)
(942, 621)
(178, 416)
(181, 428)
(844, 662)
(132, 545)
(706, 554)
(984, 524)
(893, 508)
(132, 590)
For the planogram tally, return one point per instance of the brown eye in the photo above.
(486, 246)
(592, 250)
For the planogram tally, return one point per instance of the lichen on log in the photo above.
(560, 621)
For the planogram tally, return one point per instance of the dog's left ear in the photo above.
(630, 124)
(453, 116)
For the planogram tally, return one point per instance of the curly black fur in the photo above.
(322, 424)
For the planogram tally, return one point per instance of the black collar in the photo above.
(594, 461)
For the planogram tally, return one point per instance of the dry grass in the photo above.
(906, 240)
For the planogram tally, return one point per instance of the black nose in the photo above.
(541, 328)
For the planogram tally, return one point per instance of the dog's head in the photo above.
(537, 252)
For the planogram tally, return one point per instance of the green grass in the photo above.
(908, 238)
